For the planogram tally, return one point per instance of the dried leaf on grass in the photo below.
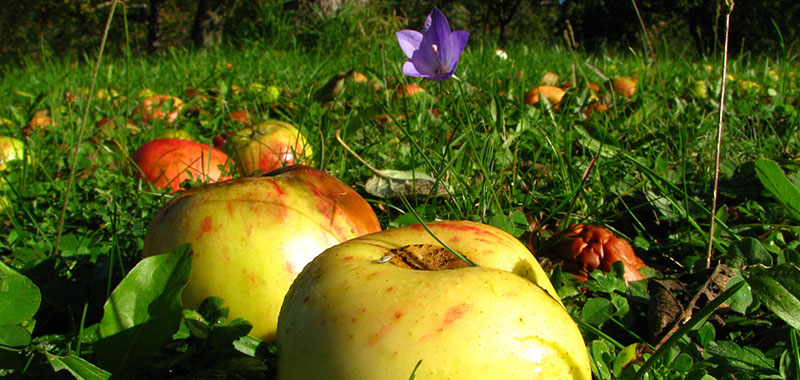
(392, 183)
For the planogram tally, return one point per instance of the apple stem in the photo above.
(422, 223)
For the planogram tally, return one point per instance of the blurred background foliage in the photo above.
(71, 28)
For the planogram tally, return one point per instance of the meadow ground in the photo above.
(469, 148)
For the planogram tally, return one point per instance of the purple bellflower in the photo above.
(434, 53)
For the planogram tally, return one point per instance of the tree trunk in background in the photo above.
(209, 22)
(154, 27)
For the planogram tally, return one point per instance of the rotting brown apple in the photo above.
(251, 236)
(373, 307)
(590, 247)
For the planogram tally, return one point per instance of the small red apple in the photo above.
(410, 89)
(168, 162)
(553, 94)
(267, 146)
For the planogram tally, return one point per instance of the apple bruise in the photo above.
(425, 257)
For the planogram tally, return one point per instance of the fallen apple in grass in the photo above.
(175, 134)
(590, 247)
(267, 146)
(552, 93)
(373, 307)
(251, 236)
(168, 162)
(11, 149)
(625, 86)
(159, 107)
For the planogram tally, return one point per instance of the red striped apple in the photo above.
(267, 146)
(251, 236)
(168, 162)
(373, 307)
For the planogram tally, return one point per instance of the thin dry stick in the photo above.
(729, 4)
(74, 159)
(650, 52)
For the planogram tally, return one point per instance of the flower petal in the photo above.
(439, 29)
(457, 42)
(409, 41)
(410, 70)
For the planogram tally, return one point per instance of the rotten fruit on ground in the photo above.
(589, 247)
(267, 146)
(552, 93)
(625, 86)
(168, 162)
(411, 90)
(10, 149)
(251, 236)
(373, 307)
(159, 107)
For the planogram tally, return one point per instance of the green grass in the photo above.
(522, 168)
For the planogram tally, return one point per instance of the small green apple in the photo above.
(267, 146)
(374, 306)
(699, 88)
(10, 149)
(251, 236)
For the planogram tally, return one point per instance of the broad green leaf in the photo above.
(731, 355)
(225, 335)
(624, 357)
(14, 336)
(251, 346)
(748, 251)
(596, 310)
(601, 354)
(742, 299)
(77, 366)
(682, 363)
(213, 310)
(19, 299)
(144, 311)
(778, 288)
(774, 180)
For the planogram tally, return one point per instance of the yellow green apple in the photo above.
(699, 88)
(373, 307)
(175, 134)
(10, 149)
(267, 146)
(251, 236)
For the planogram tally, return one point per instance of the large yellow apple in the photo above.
(250, 237)
(267, 146)
(374, 306)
